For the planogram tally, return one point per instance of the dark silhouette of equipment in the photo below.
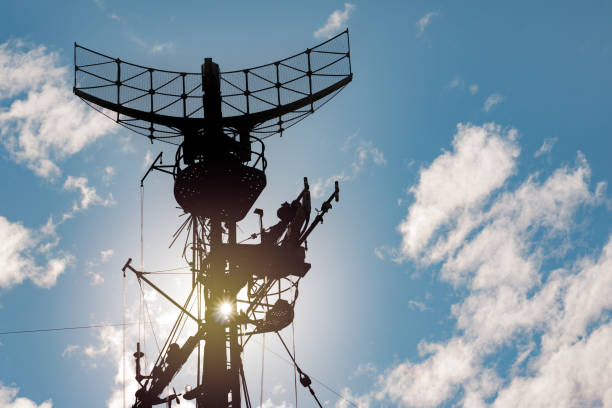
(218, 121)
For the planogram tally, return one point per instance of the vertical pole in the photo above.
(218, 377)
(234, 347)
(215, 373)
(118, 83)
(194, 277)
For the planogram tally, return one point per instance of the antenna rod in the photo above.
(325, 207)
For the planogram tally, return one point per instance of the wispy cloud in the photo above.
(147, 160)
(108, 174)
(106, 254)
(364, 153)
(365, 369)
(459, 83)
(416, 305)
(424, 22)
(95, 278)
(138, 41)
(335, 22)
(156, 48)
(69, 350)
(278, 389)
(89, 195)
(100, 4)
(161, 47)
(268, 403)
(546, 146)
(492, 101)
(456, 83)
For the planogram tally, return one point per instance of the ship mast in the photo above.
(218, 121)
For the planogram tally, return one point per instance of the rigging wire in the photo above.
(148, 315)
(142, 334)
(327, 387)
(304, 378)
(123, 333)
(294, 369)
(247, 397)
(92, 326)
(263, 353)
(161, 271)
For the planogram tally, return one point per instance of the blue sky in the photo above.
(468, 263)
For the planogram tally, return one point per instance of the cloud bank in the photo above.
(9, 399)
(20, 249)
(529, 295)
(42, 122)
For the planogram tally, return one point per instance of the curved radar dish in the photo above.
(262, 101)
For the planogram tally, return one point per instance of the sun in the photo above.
(224, 311)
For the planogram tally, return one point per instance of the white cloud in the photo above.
(366, 369)
(45, 123)
(148, 159)
(362, 401)
(492, 100)
(364, 153)
(335, 22)
(278, 389)
(552, 322)
(69, 350)
(18, 261)
(456, 83)
(95, 278)
(416, 305)
(429, 383)
(9, 399)
(546, 146)
(109, 173)
(271, 404)
(106, 255)
(483, 157)
(459, 83)
(109, 343)
(423, 22)
(89, 195)
(138, 41)
(161, 47)
(109, 347)
(49, 227)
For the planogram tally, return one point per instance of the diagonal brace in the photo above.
(140, 275)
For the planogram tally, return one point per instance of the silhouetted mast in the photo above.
(218, 121)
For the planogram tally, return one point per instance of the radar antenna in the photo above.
(219, 121)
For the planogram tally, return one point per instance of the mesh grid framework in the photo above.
(263, 100)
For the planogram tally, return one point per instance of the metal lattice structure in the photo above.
(264, 100)
(219, 121)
